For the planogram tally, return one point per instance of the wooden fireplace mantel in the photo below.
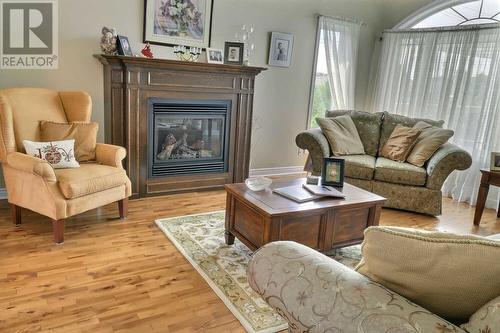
(130, 82)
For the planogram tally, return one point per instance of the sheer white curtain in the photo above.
(340, 40)
(449, 75)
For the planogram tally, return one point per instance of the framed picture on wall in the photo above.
(178, 22)
(280, 49)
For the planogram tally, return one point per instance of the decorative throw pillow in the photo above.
(486, 319)
(84, 134)
(429, 141)
(450, 275)
(342, 135)
(400, 143)
(60, 154)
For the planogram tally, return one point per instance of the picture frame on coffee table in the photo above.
(495, 161)
(332, 173)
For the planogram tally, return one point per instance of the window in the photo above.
(474, 12)
(334, 75)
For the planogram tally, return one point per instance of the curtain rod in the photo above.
(346, 19)
(447, 29)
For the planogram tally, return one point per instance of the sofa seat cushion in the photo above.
(390, 171)
(359, 166)
(88, 179)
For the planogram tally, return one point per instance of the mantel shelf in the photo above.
(182, 65)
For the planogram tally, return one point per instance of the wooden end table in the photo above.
(258, 218)
(488, 178)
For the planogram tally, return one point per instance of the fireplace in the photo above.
(186, 125)
(188, 137)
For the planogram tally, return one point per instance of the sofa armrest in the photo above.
(110, 155)
(315, 142)
(486, 319)
(444, 161)
(314, 293)
(31, 164)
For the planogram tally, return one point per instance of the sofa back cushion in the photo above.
(452, 276)
(368, 126)
(430, 140)
(400, 143)
(390, 121)
(342, 135)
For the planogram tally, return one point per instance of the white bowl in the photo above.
(258, 184)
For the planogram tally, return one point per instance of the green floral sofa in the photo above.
(405, 186)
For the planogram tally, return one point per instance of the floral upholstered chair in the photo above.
(389, 293)
(33, 183)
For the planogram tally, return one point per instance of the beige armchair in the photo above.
(32, 183)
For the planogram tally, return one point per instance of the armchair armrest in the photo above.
(444, 161)
(31, 164)
(110, 155)
(316, 143)
(314, 293)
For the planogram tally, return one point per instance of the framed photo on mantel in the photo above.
(178, 22)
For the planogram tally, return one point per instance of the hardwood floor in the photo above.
(115, 275)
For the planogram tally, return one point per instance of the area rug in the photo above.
(200, 238)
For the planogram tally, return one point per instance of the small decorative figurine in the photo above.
(146, 51)
(108, 41)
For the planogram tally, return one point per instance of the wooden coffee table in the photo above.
(258, 218)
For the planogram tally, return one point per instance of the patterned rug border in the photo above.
(212, 285)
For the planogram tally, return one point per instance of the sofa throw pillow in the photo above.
(342, 135)
(429, 141)
(84, 134)
(486, 319)
(60, 154)
(450, 275)
(400, 143)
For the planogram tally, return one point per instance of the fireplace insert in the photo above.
(188, 136)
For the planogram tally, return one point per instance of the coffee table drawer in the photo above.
(350, 224)
(249, 224)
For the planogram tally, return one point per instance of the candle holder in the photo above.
(245, 36)
(191, 54)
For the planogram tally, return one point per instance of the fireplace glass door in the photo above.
(189, 138)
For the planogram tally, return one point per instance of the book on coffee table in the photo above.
(324, 191)
(296, 193)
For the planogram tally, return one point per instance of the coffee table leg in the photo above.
(229, 238)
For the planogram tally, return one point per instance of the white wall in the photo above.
(282, 94)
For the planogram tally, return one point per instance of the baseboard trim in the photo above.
(3, 193)
(276, 171)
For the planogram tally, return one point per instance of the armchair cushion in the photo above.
(390, 171)
(486, 319)
(450, 275)
(60, 154)
(359, 166)
(84, 134)
(88, 179)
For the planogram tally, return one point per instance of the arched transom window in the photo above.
(473, 12)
